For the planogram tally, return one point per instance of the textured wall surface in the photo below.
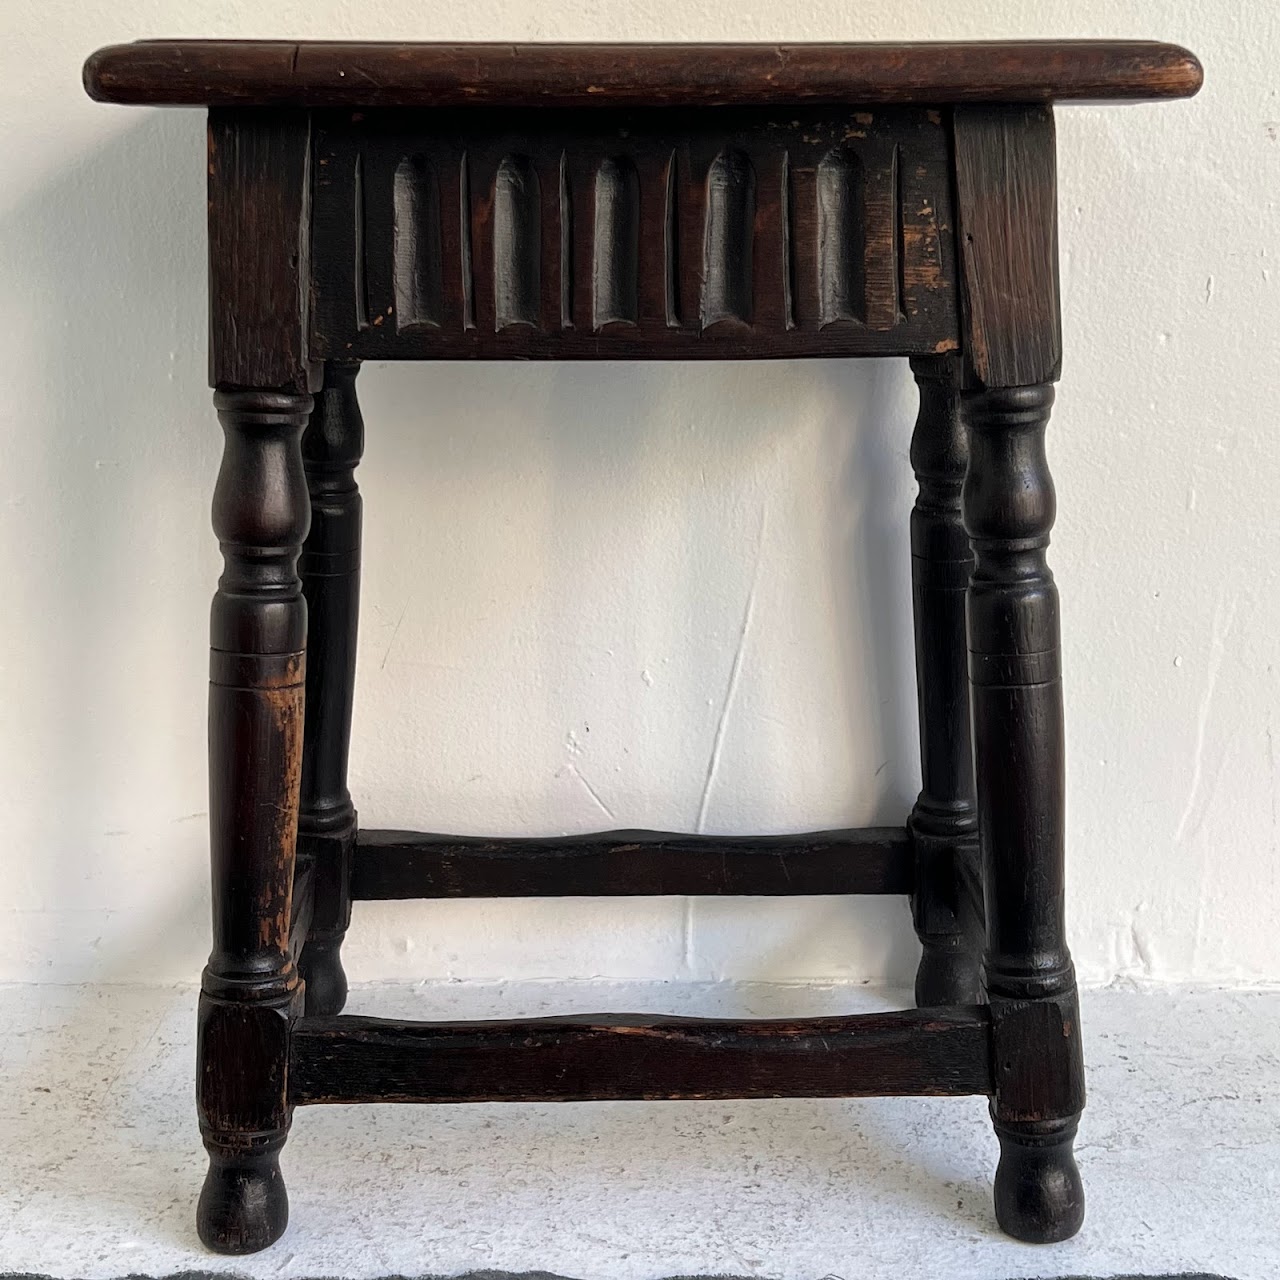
(660, 595)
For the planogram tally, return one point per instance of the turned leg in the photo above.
(330, 569)
(257, 668)
(1015, 669)
(944, 822)
(1011, 334)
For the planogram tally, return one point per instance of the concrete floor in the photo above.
(1180, 1149)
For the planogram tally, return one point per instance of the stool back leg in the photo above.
(330, 569)
(944, 821)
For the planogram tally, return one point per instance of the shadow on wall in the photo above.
(123, 348)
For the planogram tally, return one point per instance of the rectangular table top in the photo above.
(279, 73)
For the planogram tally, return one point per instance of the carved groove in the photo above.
(616, 263)
(788, 250)
(566, 246)
(419, 287)
(517, 246)
(671, 247)
(899, 235)
(358, 267)
(641, 239)
(464, 239)
(727, 248)
(842, 276)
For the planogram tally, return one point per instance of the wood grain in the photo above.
(617, 235)
(403, 864)
(366, 74)
(259, 250)
(1015, 673)
(257, 661)
(610, 1057)
(1007, 220)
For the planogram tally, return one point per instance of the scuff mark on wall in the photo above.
(735, 671)
(1224, 616)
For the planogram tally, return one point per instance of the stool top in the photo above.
(279, 73)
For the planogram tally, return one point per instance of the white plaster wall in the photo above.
(661, 595)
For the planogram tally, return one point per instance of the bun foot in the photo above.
(322, 972)
(1039, 1195)
(243, 1205)
(947, 975)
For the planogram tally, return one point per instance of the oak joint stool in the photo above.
(721, 202)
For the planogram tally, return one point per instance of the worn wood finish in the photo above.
(1015, 671)
(1006, 197)
(256, 678)
(404, 864)
(1005, 172)
(314, 73)
(672, 235)
(944, 820)
(609, 1057)
(330, 572)
(259, 250)
(419, 202)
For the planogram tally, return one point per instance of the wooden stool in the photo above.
(496, 202)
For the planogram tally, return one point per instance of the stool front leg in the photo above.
(944, 821)
(330, 568)
(257, 670)
(1015, 670)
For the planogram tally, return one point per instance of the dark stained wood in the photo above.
(403, 864)
(944, 820)
(609, 1057)
(1016, 689)
(330, 573)
(1005, 176)
(256, 677)
(339, 74)
(655, 235)
(1007, 218)
(635, 202)
(259, 250)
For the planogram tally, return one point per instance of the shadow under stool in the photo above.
(635, 202)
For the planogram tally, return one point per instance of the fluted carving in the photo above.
(616, 262)
(727, 292)
(467, 275)
(517, 243)
(817, 236)
(841, 222)
(416, 244)
(671, 243)
(566, 245)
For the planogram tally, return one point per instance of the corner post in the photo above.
(250, 990)
(1007, 206)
